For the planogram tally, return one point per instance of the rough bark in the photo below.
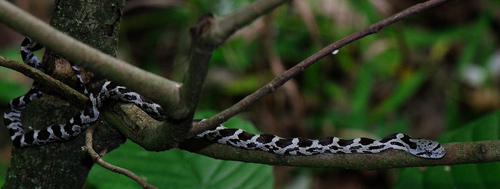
(66, 165)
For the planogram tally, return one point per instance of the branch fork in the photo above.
(210, 33)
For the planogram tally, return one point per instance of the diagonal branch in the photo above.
(143, 130)
(179, 103)
(68, 93)
(161, 90)
(300, 67)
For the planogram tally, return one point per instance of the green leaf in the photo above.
(460, 176)
(405, 89)
(10, 89)
(3, 171)
(434, 177)
(411, 177)
(362, 91)
(180, 169)
(242, 86)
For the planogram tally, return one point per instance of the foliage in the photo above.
(371, 87)
(181, 169)
(460, 176)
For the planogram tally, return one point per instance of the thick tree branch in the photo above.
(161, 90)
(300, 67)
(151, 134)
(165, 92)
(137, 126)
(456, 153)
(199, 59)
(208, 34)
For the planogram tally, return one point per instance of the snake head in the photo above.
(427, 149)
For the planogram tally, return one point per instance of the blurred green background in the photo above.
(433, 75)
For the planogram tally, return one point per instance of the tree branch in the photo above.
(300, 67)
(208, 34)
(137, 126)
(89, 147)
(161, 90)
(456, 153)
(68, 93)
(225, 26)
(150, 134)
(179, 104)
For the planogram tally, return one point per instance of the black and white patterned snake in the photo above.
(235, 137)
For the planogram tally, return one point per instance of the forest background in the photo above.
(433, 75)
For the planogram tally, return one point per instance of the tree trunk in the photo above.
(66, 165)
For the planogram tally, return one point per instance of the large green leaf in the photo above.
(485, 175)
(180, 169)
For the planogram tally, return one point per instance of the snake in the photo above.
(98, 97)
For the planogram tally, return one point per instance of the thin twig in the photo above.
(97, 158)
(225, 26)
(302, 66)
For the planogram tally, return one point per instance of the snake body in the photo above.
(235, 137)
